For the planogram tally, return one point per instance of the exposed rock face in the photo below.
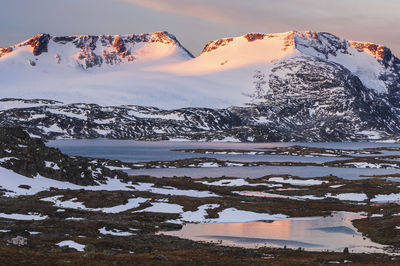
(251, 37)
(30, 157)
(391, 75)
(328, 46)
(64, 39)
(323, 98)
(118, 44)
(324, 43)
(334, 109)
(87, 58)
(39, 43)
(87, 42)
(5, 50)
(378, 51)
(51, 120)
(216, 44)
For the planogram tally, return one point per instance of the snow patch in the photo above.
(71, 244)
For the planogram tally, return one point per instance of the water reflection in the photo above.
(135, 151)
(332, 233)
(260, 171)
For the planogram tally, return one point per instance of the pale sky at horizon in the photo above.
(196, 22)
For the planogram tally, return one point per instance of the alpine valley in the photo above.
(293, 86)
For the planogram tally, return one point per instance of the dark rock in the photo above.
(64, 39)
(39, 43)
(172, 226)
(251, 37)
(109, 252)
(30, 157)
(317, 101)
(346, 251)
(66, 249)
(213, 45)
(160, 257)
(5, 50)
(90, 248)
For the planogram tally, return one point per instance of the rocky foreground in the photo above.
(57, 209)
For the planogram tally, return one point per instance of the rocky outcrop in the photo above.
(87, 58)
(124, 122)
(30, 157)
(323, 100)
(334, 109)
(251, 37)
(216, 44)
(39, 44)
(5, 50)
(378, 51)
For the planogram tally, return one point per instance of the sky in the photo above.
(196, 22)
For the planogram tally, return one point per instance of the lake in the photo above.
(139, 151)
(332, 233)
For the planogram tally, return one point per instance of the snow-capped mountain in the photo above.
(100, 69)
(258, 87)
(96, 51)
(156, 70)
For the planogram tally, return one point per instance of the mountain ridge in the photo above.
(147, 65)
(305, 86)
(114, 48)
(376, 50)
(37, 41)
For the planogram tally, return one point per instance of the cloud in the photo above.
(252, 13)
(203, 10)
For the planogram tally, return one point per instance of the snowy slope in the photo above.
(156, 70)
(369, 62)
(88, 68)
(233, 53)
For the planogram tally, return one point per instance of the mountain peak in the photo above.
(40, 42)
(88, 51)
(320, 41)
(289, 39)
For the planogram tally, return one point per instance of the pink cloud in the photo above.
(201, 10)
